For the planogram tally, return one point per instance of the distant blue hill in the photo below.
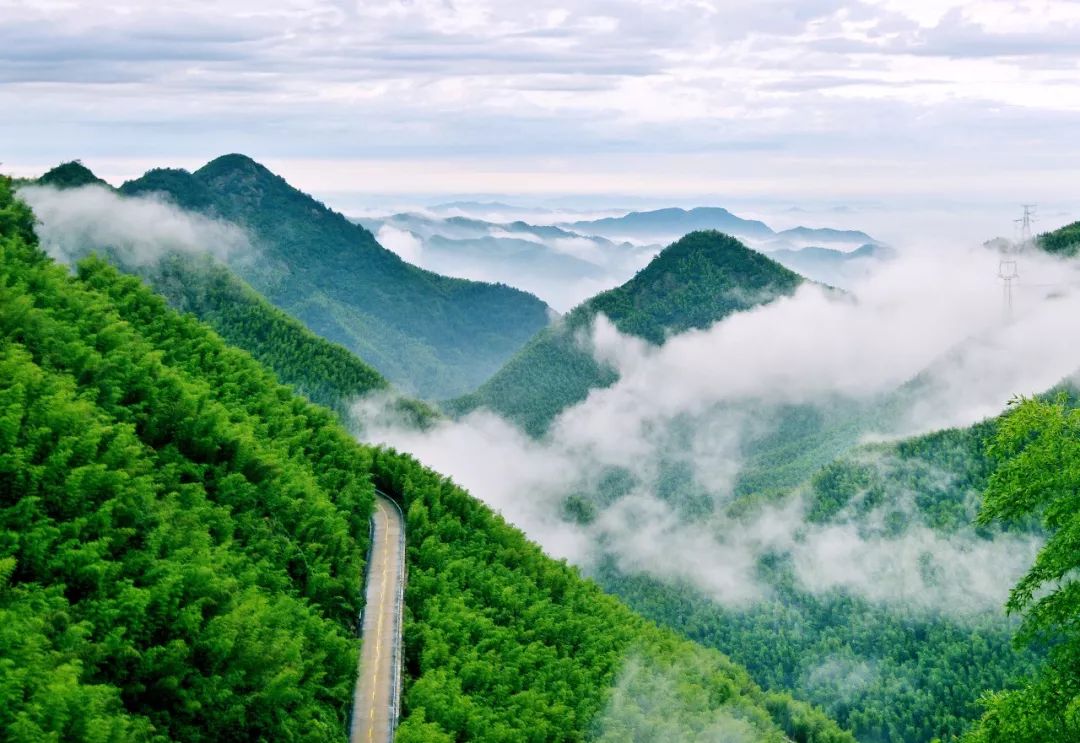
(673, 222)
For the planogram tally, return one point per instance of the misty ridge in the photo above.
(138, 231)
(919, 345)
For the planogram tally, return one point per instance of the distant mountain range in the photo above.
(558, 265)
(664, 224)
(565, 263)
(831, 266)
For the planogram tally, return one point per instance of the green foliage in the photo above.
(1038, 447)
(692, 283)
(71, 175)
(505, 644)
(321, 371)
(181, 538)
(884, 674)
(1063, 241)
(431, 335)
(181, 544)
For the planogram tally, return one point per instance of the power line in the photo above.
(1008, 268)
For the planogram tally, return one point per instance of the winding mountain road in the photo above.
(378, 683)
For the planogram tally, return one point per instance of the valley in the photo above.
(791, 506)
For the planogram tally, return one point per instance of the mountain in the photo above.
(429, 334)
(71, 175)
(324, 372)
(1063, 241)
(692, 283)
(665, 224)
(562, 267)
(833, 267)
(824, 236)
(183, 539)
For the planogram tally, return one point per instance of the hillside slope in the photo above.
(431, 335)
(889, 671)
(692, 283)
(1062, 241)
(182, 540)
(322, 371)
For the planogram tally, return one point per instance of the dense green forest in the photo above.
(1062, 241)
(71, 175)
(181, 536)
(182, 540)
(692, 283)
(887, 672)
(316, 368)
(429, 334)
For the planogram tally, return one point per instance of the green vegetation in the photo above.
(886, 675)
(885, 672)
(182, 539)
(1063, 241)
(692, 283)
(1038, 450)
(71, 175)
(324, 372)
(505, 644)
(429, 334)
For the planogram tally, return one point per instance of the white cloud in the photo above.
(407, 245)
(72, 221)
(502, 93)
(697, 400)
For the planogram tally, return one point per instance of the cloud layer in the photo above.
(649, 96)
(696, 403)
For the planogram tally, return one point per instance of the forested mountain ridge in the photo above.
(692, 283)
(431, 335)
(1062, 241)
(324, 372)
(71, 175)
(181, 547)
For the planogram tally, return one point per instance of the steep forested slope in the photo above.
(432, 335)
(322, 371)
(180, 537)
(691, 284)
(182, 540)
(1062, 241)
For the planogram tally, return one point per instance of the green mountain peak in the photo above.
(694, 282)
(71, 174)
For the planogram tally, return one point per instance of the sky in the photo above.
(677, 101)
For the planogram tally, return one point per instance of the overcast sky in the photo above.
(878, 99)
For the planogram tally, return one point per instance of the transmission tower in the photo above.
(1008, 270)
(1008, 273)
(1025, 223)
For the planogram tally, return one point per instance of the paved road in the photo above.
(375, 700)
